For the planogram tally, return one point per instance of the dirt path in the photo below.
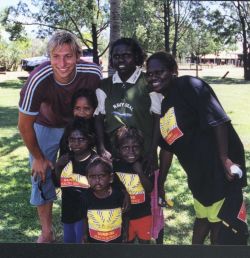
(12, 75)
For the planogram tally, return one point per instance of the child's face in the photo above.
(123, 60)
(130, 150)
(78, 143)
(98, 179)
(83, 108)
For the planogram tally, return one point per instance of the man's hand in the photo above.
(39, 168)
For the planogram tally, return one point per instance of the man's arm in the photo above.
(40, 163)
(166, 158)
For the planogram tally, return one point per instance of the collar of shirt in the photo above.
(132, 79)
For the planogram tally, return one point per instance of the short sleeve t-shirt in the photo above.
(74, 184)
(104, 217)
(190, 110)
(140, 199)
(43, 97)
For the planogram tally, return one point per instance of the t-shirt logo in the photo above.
(169, 128)
(105, 225)
(134, 187)
(242, 215)
(122, 110)
(69, 179)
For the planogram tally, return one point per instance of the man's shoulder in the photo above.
(42, 71)
(39, 76)
(88, 68)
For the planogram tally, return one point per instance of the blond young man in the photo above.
(44, 110)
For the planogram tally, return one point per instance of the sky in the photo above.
(6, 3)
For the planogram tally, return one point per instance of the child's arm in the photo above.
(60, 164)
(145, 181)
(85, 230)
(150, 159)
(99, 128)
(119, 185)
(166, 158)
(125, 225)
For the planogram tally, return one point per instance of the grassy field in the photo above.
(18, 220)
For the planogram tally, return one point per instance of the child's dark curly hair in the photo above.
(86, 93)
(98, 160)
(124, 133)
(82, 125)
(136, 49)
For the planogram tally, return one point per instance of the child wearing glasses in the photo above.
(129, 143)
(104, 220)
(70, 171)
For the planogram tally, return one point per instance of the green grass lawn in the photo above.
(18, 219)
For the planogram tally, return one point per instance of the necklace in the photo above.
(65, 84)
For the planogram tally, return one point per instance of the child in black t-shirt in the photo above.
(71, 176)
(103, 218)
(129, 144)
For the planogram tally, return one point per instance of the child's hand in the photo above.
(161, 198)
(105, 154)
(149, 164)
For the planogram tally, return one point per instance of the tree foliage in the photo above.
(12, 52)
(232, 23)
(75, 16)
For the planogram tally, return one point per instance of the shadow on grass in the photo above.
(219, 80)
(8, 117)
(18, 219)
(13, 84)
(9, 144)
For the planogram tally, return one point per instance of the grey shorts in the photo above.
(48, 140)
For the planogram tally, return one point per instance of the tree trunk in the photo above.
(246, 54)
(167, 25)
(95, 45)
(176, 29)
(115, 26)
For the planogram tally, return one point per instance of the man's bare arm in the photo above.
(40, 163)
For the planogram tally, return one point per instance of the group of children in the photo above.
(95, 203)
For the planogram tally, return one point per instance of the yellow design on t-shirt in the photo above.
(169, 128)
(70, 179)
(105, 225)
(134, 187)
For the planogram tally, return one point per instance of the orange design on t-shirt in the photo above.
(134, 187)
(169, 128)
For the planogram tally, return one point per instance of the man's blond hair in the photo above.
(64, 37)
